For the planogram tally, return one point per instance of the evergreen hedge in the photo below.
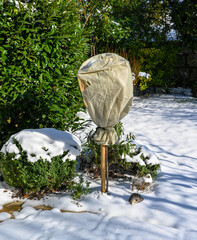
(42, 45)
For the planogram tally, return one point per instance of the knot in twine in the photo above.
(105, 136)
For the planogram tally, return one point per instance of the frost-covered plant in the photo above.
(42, 175)
(124, 157)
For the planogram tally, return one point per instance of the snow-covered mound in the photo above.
(145, 153)
(44, 143)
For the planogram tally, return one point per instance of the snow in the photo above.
(165, 126)
(143, 74)
(4, 216)
(44, 143)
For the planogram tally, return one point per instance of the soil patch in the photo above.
(12, 207)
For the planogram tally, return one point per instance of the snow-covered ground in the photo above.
(165, 124)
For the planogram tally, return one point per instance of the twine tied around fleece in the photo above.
(105, 136)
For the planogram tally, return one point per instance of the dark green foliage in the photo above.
(142, 171)
(159, 62)
(42, 45)
(124, 24)
(42, 175)
(90, 158)
(78, 189)
(184, 20)
(136, 30)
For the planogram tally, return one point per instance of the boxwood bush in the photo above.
(42, 45)
(42, 175)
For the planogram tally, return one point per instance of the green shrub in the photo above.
(155, 59)
(42, 45)
(42, 175)
(159, 62)
(117, 164)
(143, 82)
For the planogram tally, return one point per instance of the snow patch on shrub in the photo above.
(143, 74)
(44, 143)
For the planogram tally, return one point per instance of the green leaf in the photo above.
(24, 62)
(47, 48)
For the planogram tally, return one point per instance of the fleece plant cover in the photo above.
(106, 84)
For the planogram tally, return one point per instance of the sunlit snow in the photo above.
(167, 126)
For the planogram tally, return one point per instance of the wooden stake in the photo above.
(107, 169)
(103, 160)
